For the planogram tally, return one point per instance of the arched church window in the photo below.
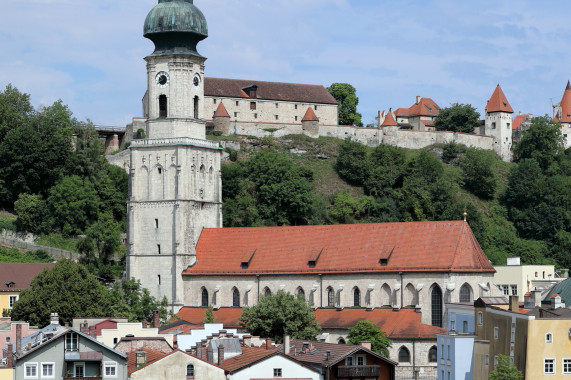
(267, 292)
(196, 107)
(436, 306)
(162, 106)
(204, 298)
(356, 297)
(432, 355)
(404, 355)
(236, 298)
(330, 297)
(301, 294)
(465, 294)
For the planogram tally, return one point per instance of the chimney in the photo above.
(220, 354)
(327, 355)
(18, 338)
(203, 351)
(528, 301)
(536, 296)
(93, 332)
(286, 344)
(54, 319)
(84, 328)
(156, 320)
(247, 339)
(66, 324)
(514, 303)
(365, 344)
(175, 342)
(417, 99)
(556, 302)
(10, 357)
(268, 344)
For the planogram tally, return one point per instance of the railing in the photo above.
(83, 378)
(176, 140)
(359, 371)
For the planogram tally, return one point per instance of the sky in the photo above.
(89, 53)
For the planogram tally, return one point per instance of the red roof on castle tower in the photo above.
(424, 107)
(221, 111)
(358, 248)
(389, 121)
(564, 114)
(498, 102)
(309, 115)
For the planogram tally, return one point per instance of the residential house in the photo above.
(420, 116)
(459, 317)
(15, 277)
(520, 124)
(8, 331)
(58, 352)
(514, 279)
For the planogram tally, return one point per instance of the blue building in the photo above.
(459, 317)
(455, 356)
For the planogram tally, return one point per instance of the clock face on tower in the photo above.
(162, 79)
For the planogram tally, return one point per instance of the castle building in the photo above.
(178, 250)
(563, 115)
(420, 116)
(498, 123)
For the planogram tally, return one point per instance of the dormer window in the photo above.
(9, 284)
(251, 91)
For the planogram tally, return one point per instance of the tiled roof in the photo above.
(221, 111)
(225, 315)
(389, 121)
(350, 248)
(291, 92)
(309, 115)
(519, 119)
(21, 274)
(425, 107)
(564, 114)
(151, 357)
(250, 355)
(548, 313)
(180, 327)
(402, 324)
(498, 102)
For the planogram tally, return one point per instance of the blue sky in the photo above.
(89, 53)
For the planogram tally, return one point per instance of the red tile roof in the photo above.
(221, 111)
(519, 119)
(402, 324)
(226, 315)
(151, 357)
(389, 121)
(357, 248)
(309, 115)
(250, 355)
(564, 114)
(291, 92)
(425, 107)
(498, 102)
(21, 274)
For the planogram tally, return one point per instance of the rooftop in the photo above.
(15, 277)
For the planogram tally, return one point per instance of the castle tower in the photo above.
(498, 123)
(174, 183)
(563, 115)
(310, 123)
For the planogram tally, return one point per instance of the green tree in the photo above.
(346, 97)
(457, 118)
(67, 289)
(367, 331)
(105, 234)
(505, 370)
(542, 142)
(129, 299)
(32, 213)
(15, 109)
(477, 173)
(209, 315)
(352, 162)
(385, 171)
(280, 314)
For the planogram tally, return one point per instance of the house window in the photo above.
(480, 318)
(47, 370)
(330, 297)
(494, 125)
(190, 371)
(465, 327)
(357, 297)
(277, 372)
(235, 114)
(276, 116)
(465, 294)
(315, 107)
(453, 325)
(404, 355)
(432, 355)
(110, 369)
(549, 366)
(214, 101)
(341, 341)
(7, 340)
(487, 360)
(12, 301)
(162, 106)
(277, 105)
(71, 342)
(514, 290)
(506, 289)
(31, 371)
(252, 105)
(204, 298)
(236, 298)
(361, 360)
(548, 338)
(115, 340)
(349, 360)
(496, 332)
(237, 103)
(566, 366)
(296, 118)
(156, 223)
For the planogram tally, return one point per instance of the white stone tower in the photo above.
(498, 123)
(175, 186)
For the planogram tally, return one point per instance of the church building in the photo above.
(178, 249)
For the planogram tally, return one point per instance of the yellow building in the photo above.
(15, 277)
(6, 373)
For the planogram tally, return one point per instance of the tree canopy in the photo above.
(457, 118)
(505, 370)
(366, 331)
(278, 315)
(346, 96)
(542, 142)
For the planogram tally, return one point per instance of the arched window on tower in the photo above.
(163, 106)
(204, 298)
(196, 107)
(236, 298)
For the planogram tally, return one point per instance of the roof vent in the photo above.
(247, 259)
(384, 262)
(313, 257)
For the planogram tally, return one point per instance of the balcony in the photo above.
(82, 378)
(358, 371)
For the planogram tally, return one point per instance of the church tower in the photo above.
(175, 186)
(498, 123)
